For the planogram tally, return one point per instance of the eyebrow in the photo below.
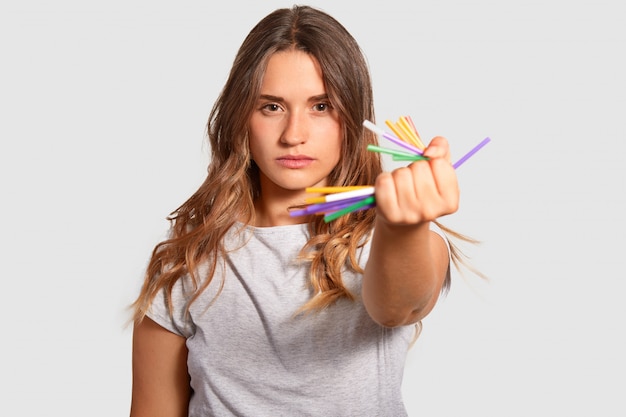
(270, 97)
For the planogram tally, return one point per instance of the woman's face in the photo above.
(295, 133)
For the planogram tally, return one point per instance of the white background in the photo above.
(103, 109)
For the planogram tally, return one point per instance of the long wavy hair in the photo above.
(232, 183)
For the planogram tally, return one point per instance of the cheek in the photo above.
(260, 135)
(337, 147)
(253, 148)
(333, 154)
(253, 140)
(338, 153)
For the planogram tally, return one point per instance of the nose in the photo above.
(296, 129)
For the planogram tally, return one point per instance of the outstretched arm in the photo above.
(408, 262)
(160, 377)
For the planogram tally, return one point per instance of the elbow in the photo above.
(401, 312)
(392, 318)
(390, 322)
(399, 307)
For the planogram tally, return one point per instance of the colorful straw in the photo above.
(336, 196)
(339, 201)
(471, 152)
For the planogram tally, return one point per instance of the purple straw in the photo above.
(470, 153)
(402, 143)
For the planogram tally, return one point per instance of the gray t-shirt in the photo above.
(250, 355)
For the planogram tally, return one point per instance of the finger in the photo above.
(428, 198)
(438, 148)
(396, 199)
(406, 188)
(386, 196)
(443, 173)
(446, 183)
(424, 185)
(436, 182)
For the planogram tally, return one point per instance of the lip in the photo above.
(294, 161)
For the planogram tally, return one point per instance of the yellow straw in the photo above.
(330, 190)
(396, 131)
(314, 200)
(410, 138)
(410, 122)
(411, 133)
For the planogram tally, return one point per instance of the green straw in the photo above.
(410, 158)
(354, 207)
(375, 148)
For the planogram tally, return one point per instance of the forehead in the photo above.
(292, 70)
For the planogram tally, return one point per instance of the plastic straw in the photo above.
(470, 153)
(363, 192)
(361, 205)
(397, 131)
(371, 126)
(339, 201)
(375, 148)
(410, 158)
(406, 127)
(332, 190)
(331, 205)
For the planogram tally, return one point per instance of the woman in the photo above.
(248, 311)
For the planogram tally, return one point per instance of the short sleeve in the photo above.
(177, 322)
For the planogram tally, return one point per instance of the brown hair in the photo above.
(231, 185)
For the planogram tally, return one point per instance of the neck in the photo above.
(274, 211)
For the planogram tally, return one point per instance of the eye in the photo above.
(271, 107)
(322, 107)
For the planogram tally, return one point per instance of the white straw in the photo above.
(350, 194)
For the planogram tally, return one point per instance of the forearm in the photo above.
(404, 274)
